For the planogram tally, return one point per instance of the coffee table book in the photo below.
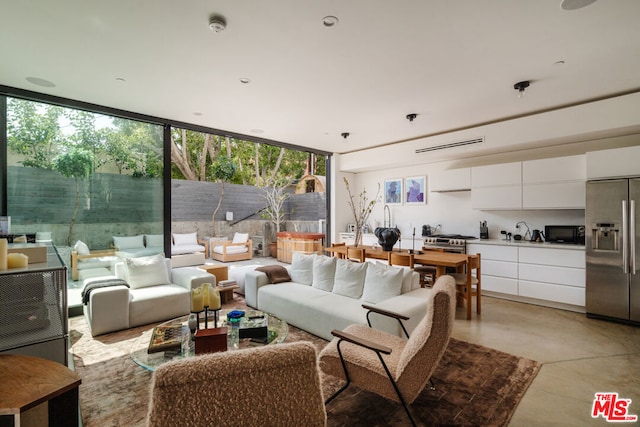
(166, 338)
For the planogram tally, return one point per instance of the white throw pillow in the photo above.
(146, 271)
(185, 239)
(81, 248)
(324, 272)
(407, 276)
(240, 238)
(154, 240)
(349, 279)
(381, 283)
(301, 268)
(128, 242)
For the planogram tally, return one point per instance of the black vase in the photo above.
(387, 237)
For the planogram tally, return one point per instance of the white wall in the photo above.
(453, 210)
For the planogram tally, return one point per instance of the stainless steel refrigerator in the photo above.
(612, 240)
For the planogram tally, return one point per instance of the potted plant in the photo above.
(275, 197)
(361, 209)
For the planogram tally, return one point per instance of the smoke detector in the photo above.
(217, 24)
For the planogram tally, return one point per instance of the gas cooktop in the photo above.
(445, 237)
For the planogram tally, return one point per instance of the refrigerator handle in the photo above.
(632, 235)
(625, 236)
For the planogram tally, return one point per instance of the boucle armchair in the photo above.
(275, 385)
(390, 366)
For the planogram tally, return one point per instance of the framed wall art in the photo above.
(393, 191)
(415, 190)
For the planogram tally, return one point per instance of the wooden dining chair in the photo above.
(469, 284)
(355, 254)
(401, 259)
(427, 272)
(340, 255)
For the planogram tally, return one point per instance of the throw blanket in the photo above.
(275, 273)
(101, 283)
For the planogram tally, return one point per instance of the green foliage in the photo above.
(76, 163)
(222, 169)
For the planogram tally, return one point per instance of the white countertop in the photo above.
(525, 243)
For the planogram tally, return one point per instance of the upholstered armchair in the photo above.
(390, 366)
(263, 386)
(238, 249)
(86, 263)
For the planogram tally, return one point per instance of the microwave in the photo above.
(571, 234)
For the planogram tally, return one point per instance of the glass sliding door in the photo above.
(76, 176)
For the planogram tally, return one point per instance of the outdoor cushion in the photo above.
(81, 248)
(185, 239)
(128, 242)
(240, 238)
(219, 249)
(186, 249)
(154, 240)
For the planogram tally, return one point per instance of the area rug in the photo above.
(475, 385)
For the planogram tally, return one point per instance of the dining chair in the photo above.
(469, 284)
(427, 272)
(390, 366)
(355, 254)
(401, 259)
(340, 255)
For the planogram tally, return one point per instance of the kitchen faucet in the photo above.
(387, 210)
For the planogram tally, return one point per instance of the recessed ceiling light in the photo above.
(217, 23)
(330, 21)
(40, 82)
(197, 113)
(257, 131)
(575, 4)
(559, 63)
(245, 80)
(120, 79)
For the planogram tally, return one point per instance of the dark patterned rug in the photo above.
(475, 385)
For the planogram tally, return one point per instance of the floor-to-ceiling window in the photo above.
(81, 176)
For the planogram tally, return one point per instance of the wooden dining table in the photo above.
(441, 260)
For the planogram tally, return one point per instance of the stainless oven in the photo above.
(449, 242)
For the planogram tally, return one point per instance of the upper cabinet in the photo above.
(451, 180)
(614, 163)
(557, 183)
(497, 186)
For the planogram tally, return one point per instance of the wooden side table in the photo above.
(221, 271)
(226, 293)
(28, 381)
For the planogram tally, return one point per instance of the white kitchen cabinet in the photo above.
(547, 274)
(552, 274)
(497, 186)
(557, 183)
(499, 267)
(450, 180)
(557, 169)
(561, 195)
(497, 198)
(499, 175)
(614, 163)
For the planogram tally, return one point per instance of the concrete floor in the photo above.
(580, 357)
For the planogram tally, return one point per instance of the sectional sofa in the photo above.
(143, 290)
(323, 293)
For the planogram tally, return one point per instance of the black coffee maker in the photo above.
(537, 236)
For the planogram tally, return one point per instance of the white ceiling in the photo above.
(454, 63)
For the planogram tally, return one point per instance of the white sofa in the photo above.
(155, 293)
(327, 293)
(138, 246)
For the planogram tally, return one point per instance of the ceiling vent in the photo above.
(473, 141)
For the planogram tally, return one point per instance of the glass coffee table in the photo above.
(276, 327)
